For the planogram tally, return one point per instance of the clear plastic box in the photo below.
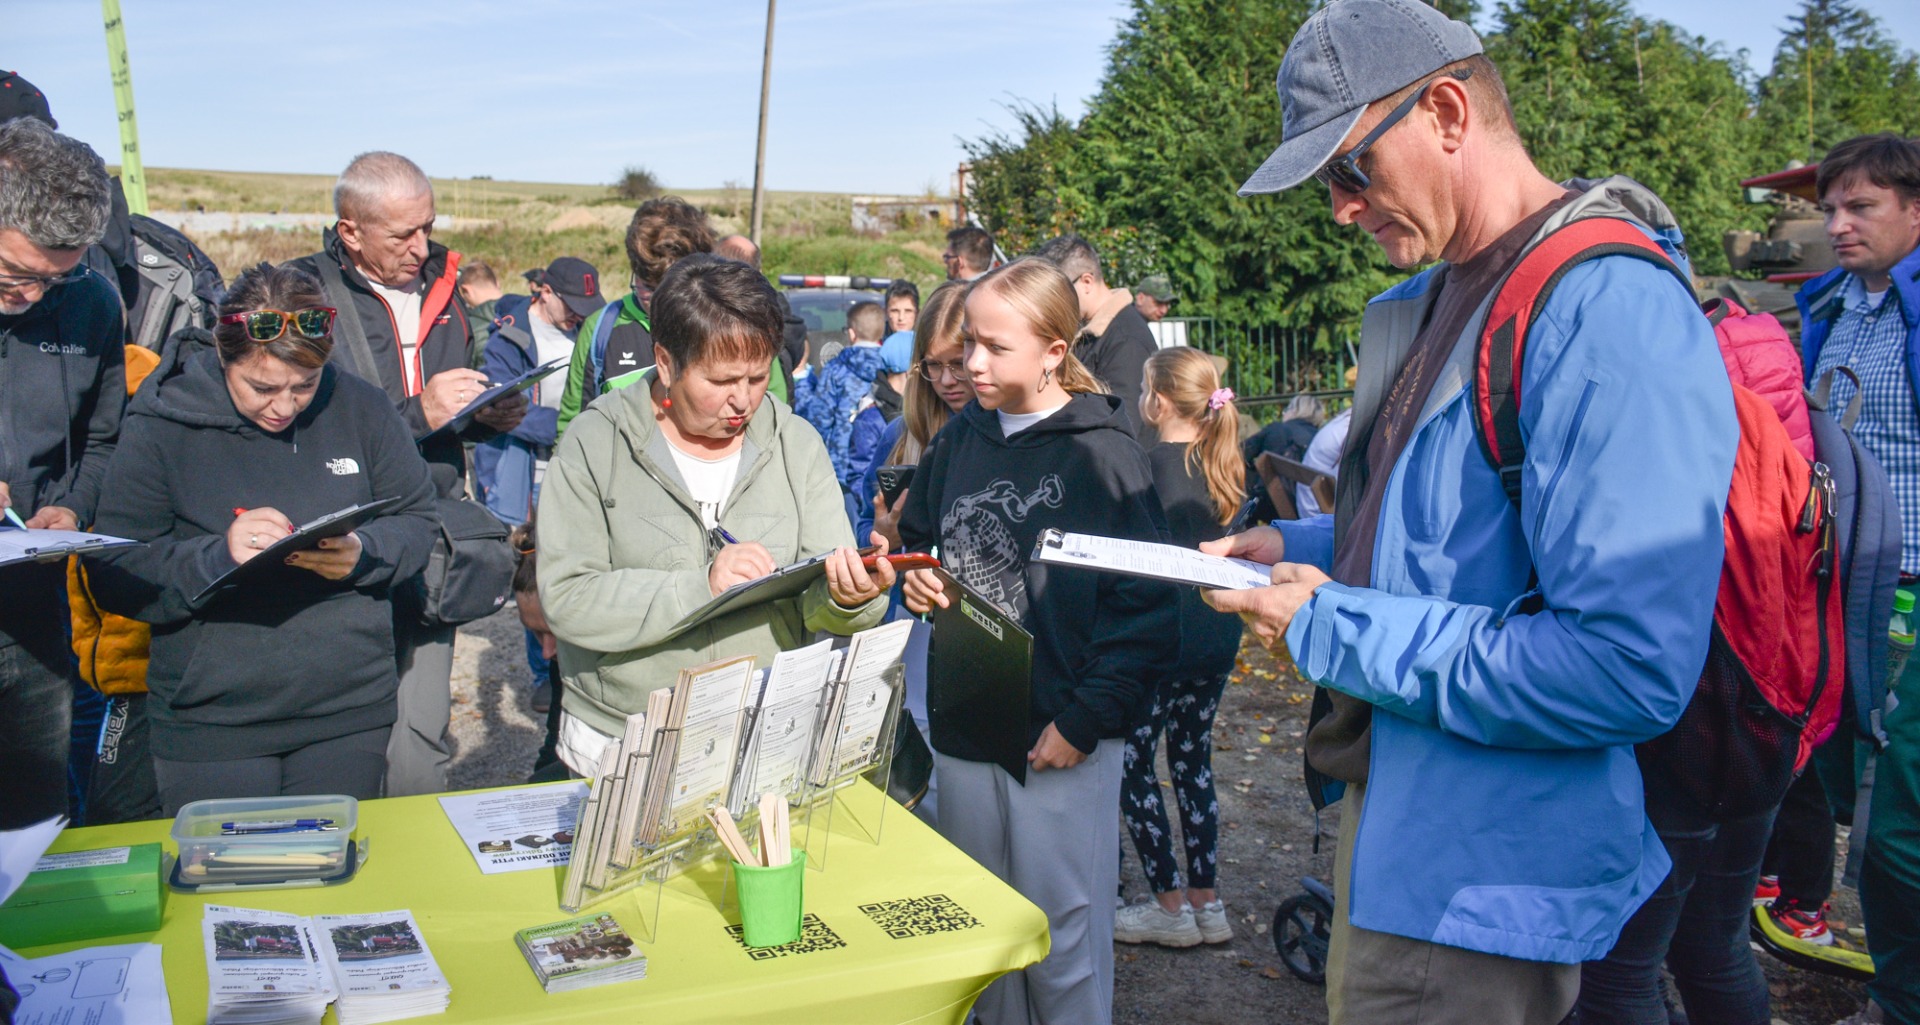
(265, 841)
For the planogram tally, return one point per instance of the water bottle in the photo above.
(1900, 636)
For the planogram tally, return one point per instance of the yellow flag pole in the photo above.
(133, 178)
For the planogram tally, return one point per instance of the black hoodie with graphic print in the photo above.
(287, 658)
(983, 499)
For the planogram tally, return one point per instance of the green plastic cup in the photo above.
(770, 901)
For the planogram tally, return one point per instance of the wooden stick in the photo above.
(730, 836)
(770, 805)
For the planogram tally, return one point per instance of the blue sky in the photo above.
(868, 95)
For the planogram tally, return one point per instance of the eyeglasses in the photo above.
(265, 326)
(933, 371)
(45, 283)
(1344, 170)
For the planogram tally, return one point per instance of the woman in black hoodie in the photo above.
(283, 683)
(1041, 446)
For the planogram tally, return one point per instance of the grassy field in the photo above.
(515, 226)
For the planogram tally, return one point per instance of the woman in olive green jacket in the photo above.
(660, 497)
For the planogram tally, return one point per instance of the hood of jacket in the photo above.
(511, 315)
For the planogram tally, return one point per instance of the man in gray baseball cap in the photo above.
(1494, 637)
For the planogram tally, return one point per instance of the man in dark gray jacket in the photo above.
(62, 389)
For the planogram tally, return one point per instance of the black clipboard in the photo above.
(494, 394)
(980, 678)
(785, 582)
(333, 524)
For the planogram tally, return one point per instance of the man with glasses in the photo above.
(1488, 665)
(969, 253)
(62, 390)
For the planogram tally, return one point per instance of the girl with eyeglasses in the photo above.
(937, 388)
(283, 682)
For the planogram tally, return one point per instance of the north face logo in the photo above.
(343, 467)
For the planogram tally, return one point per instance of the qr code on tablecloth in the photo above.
(919, 916)
(814, 937)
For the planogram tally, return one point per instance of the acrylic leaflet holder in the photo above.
(862, 728)
(637, 829)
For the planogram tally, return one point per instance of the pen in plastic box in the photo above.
(276, 825)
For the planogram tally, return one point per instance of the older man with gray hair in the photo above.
(402, 326)
(62, 390)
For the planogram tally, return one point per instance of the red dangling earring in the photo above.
(666, 403)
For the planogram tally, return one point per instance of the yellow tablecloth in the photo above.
(696, 971)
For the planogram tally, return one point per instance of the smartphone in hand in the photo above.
(893, 480)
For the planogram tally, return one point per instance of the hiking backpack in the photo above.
(1771, 687)
(179, 285)
(1867, 517)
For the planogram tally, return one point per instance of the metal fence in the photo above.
(1269, 365)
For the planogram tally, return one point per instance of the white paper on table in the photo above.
(20, 851)
(378, 953)
(517, 830)
(119, 985)
(255, 954)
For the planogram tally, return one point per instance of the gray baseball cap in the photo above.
(1347, 55)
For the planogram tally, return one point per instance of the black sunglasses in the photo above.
(1344, 170)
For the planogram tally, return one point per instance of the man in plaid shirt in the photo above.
(1865, 314)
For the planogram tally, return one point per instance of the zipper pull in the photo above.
(1810, 515)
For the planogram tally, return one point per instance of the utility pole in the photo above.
(760, 150)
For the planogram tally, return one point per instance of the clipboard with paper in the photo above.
(1149, 559)
(494, 394)
(308, 535)
(24, 544)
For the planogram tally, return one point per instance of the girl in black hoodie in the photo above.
(1041, 446)
(282, 684)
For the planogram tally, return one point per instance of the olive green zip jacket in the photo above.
(624, 555)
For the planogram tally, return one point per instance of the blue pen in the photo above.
(14, 518)
(724, 536)
(277, 826)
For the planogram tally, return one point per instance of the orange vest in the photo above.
(112, 649)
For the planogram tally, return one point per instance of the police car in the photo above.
(822, 300)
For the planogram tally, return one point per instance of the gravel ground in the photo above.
(1267, 841)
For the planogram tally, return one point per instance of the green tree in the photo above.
(1185, 112)
(1834, 75)
(1598, 90)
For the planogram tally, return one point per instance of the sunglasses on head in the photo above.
(265, 326)
(1344, 170)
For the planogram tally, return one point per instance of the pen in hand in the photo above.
(14, 518)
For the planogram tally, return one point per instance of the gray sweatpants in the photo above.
(420, 750)
(1054, 841)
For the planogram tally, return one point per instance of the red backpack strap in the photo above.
(1517, 303)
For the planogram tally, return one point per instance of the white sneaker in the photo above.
(1148, 922)
(1211, 918)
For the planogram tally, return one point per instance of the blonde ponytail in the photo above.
(1186, 382)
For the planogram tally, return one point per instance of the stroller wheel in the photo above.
(1302, 926)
